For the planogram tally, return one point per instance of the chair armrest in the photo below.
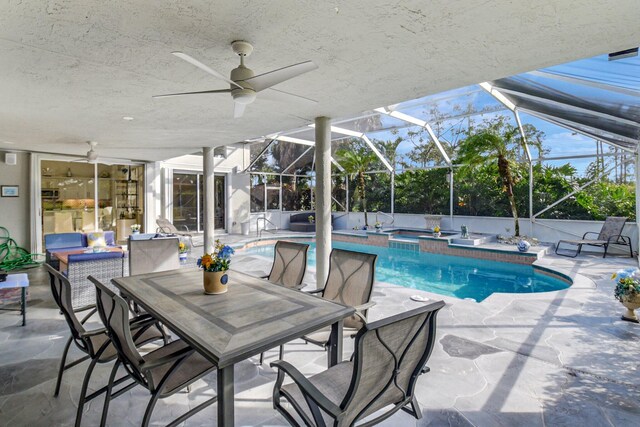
(365, 306)
(93, 333)
(178, 355)
(315, 291)
(264, 277)
(589, 232)
(615, 238)
(142, 321)
(306, 387)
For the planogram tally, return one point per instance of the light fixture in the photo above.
(127, 118)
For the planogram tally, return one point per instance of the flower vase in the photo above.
(631, 304)
(215, 282)
(135, 232)
(182, 256)
(436, 234)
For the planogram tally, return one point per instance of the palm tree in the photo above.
(356, 163)
(499, 140)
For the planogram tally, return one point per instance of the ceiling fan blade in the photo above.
(238, 110)
(192, 93)
(203, 67)
(272, 78)
(277, 95)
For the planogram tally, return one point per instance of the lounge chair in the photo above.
(165, 226)
(610, 234)
(389, 357)
(163, 371)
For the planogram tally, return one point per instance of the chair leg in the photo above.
(413, 408)
(262, 358)
(83, 392)
(606, 247)
(281, 353)
(107, 395)
(630, 249)
(62, 362)
(149, 410)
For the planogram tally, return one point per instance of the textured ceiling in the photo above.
(69, 70)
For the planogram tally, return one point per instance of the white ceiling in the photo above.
(69, 71)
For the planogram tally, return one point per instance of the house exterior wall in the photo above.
(15, 212)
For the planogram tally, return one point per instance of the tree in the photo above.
(497, 140)
(356, 162)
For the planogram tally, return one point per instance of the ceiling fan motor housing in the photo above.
(246, 95)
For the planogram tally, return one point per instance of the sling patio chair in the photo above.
(289, 266)
(164, 371)
(388, 359)
(610, 234)
(165, 226)
(95, 343)
(350, 282)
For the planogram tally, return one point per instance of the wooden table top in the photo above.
(253, 316)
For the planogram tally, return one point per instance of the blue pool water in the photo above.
(444, 274)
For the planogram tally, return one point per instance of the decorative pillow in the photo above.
(96, 239)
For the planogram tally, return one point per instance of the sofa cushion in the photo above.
(63, 240)
(94, 256)
(110, 237)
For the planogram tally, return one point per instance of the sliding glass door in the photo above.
(188, 201)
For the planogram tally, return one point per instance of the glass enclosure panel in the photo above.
(422, 192)
(185, 200)
(257, 192)
(338, 193)
(220, 201)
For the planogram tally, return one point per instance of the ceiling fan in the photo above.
(243, 83)
(92, 154)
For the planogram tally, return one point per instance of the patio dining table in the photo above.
(252, 317)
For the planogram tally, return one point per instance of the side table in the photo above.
(20, 280)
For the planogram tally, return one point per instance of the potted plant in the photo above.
(215, 266)
(182, 251)
(627, 291)
(436, 231)
(378, 226)
(312, 219)
(135, 229)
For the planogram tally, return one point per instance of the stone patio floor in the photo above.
(559, 358)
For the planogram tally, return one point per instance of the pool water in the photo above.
(443, 274)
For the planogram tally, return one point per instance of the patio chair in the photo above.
(164, 371)
(289, 266)
(610, 234)
(165, 226)
(388, 359)
(94, 343)
(350, 282)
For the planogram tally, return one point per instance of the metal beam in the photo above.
(497, 95)
(296, 160)
(569, 106)
(584, 82)
(564, 124)
(416, 121)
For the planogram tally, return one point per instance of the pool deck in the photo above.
(561, 358)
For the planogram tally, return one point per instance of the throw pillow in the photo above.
(96, 239)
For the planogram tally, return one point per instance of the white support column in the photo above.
(323, 198)
(209, 201)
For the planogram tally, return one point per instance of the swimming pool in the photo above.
(443, 274)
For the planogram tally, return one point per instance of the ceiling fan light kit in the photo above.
(243, 83)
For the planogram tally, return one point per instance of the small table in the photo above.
(252, 317)
(20, 280)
